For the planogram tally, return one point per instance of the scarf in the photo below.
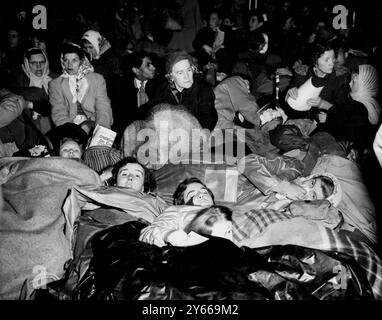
(100, 43)
(322, 81)
(77, 83)
(367, 90)
(35, 81)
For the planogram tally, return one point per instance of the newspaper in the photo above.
(102, 137)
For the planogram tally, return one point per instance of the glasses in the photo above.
(37, 63)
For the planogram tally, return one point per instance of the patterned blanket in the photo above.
(261, 228)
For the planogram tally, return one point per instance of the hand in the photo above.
(284, 72)
(292, 93)
(290, 190)
(322, 116)
(313, 102)
(87, 126)
(295, 192)
(325, 105)
(178, 238)
(84, 126)
(207, 49)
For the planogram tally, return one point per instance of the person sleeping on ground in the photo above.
(278, 180)
(192, 195)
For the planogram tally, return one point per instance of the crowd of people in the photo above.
(112, 66)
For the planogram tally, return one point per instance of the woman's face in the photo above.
(89, 48)
(198, 194)
(325, 63)
(72, 63)
(214, 20)
(131, 176)
(70, 149)
(340, 58)
(39, 44)
(254, 23)
(37, 64)
(182, 74)
(13, 38)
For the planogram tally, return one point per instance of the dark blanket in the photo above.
(124, 269)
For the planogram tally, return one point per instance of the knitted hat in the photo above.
(175, 57)
(101, 157)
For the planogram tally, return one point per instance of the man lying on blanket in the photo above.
(278, 180)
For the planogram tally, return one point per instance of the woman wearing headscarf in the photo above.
(103, 58)
(31, 81)
(354, 117)
(79, 95)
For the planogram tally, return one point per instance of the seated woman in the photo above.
(190, 195)
(323, 77)
(79, 95)
(355, 116)
(31, 81)
(213, 45)
(183, 88)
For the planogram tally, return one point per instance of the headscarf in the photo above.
(100, 43)
(77, 83)
(35, 81)
(367, 91)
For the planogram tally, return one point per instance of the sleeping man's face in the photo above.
(316, 188)
(197, 195)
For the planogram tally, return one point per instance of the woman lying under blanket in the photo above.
(128, 198)
(299, 224)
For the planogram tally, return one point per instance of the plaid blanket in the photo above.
(260, 228)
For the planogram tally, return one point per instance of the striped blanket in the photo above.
(261, 228)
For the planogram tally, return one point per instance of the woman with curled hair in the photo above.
(323, 75)
(184, 88)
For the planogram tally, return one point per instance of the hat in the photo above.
(67, 130)
(101, 157)
(175, 57)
